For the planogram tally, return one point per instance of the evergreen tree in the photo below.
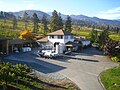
(25, 18)
(14, 22)
(94, 35)
(54, 21)
(44, 22)
(117, 30)
(35, 21)
(1, 15)
(60, 22)
(68, 24)
(104, 36)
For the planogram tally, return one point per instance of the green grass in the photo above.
(111, 79)
(115, 37)
(82, 33)
(86, 33)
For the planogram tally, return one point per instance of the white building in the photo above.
(57, 39)
(60, 36)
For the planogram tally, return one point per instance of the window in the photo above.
(52, 37)
(66, 37)
(60, 37)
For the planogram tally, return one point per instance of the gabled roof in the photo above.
(60, 32)
(45, 39)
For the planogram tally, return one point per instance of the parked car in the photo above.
(47, 54)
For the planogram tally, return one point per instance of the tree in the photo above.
(60, 22)
(25, 18)
(35, 21)
(94, 35)
(68, 24)
(44, 22)
(14, 22)
(27, 35)
(54, 21)
(1, 15)
(104, 36)
(117, 30)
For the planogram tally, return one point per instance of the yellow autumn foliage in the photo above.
(27, 35)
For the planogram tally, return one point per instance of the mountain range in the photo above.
(80, 18)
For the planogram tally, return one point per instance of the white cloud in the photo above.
(110, 14)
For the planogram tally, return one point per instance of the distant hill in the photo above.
(30, 13)
(78, 19)
(91, 20)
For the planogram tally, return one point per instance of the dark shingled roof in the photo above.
(60, 32)
(2, 38)
(19, 41)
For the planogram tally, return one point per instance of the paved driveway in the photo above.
(83, 68)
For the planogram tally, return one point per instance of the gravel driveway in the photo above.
(83, 68)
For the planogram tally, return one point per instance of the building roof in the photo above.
(71, 44)
(45, 39)
(18, 41)
(60, 32)
(2, 38)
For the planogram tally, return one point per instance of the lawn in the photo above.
(111, 79)
(82, 33)
(115, 37)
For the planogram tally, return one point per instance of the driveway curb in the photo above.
(99, 79)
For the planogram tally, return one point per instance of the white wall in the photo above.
(69, 39)
(55, 39)
(64, 40)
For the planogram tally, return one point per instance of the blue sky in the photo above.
(107, 9)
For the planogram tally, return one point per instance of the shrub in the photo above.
(110, 47)
(116, 59)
